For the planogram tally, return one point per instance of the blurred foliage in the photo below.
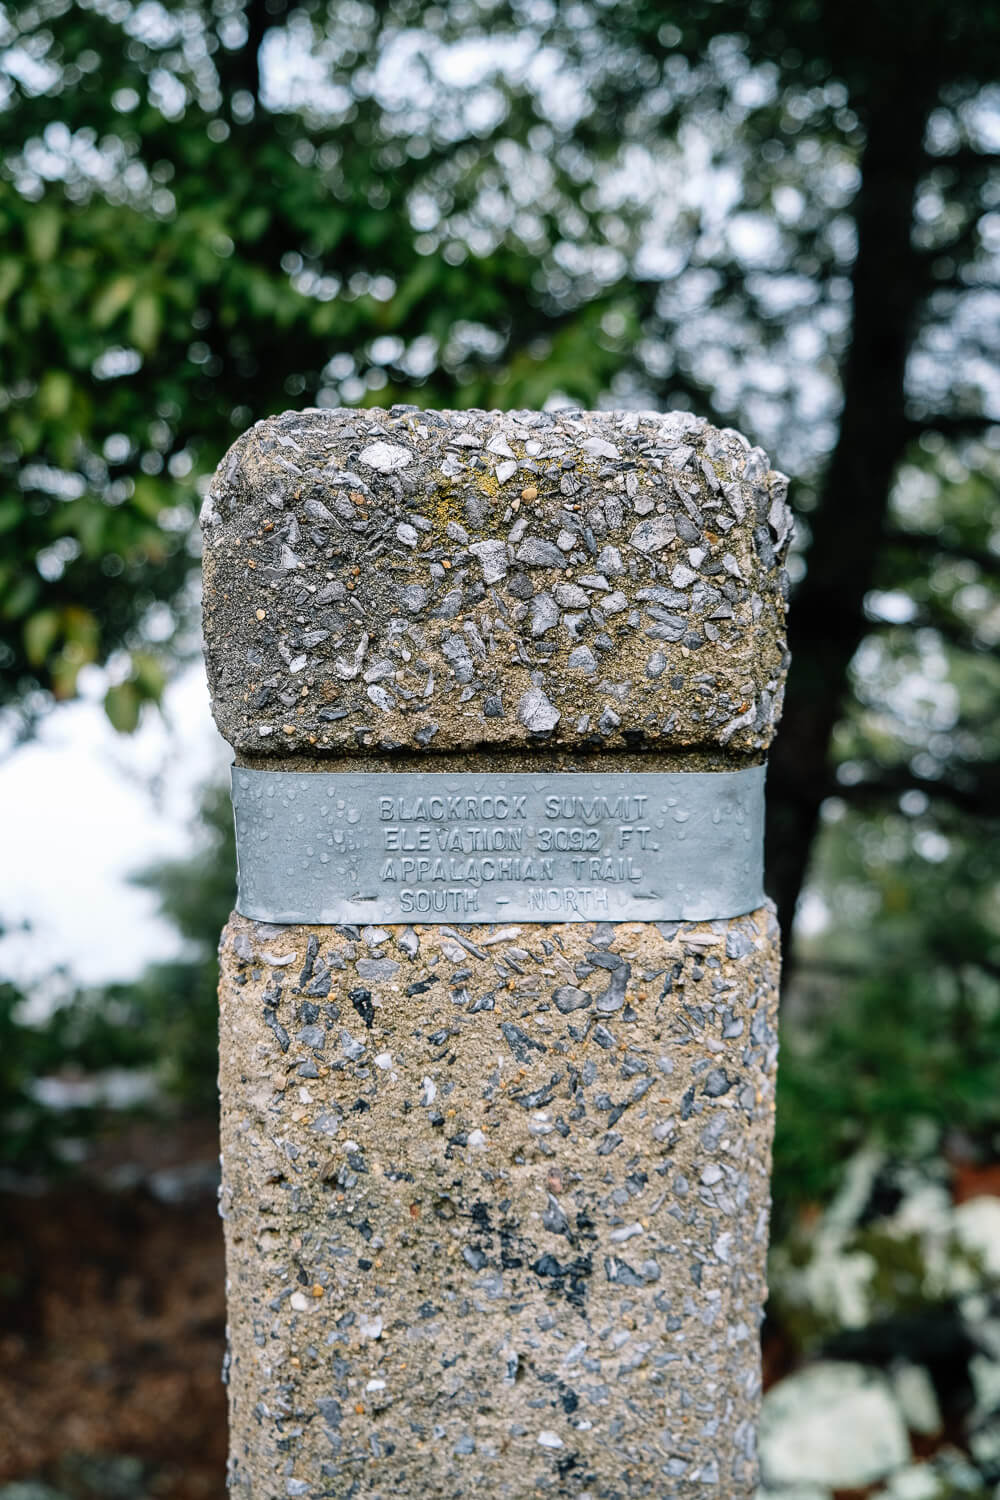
(77, 1040)
(181, 257)
(165, 1021)
(174, 1003)
(893, 1033)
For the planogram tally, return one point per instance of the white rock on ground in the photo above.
(919, 1482)
(985, 1445)
(977, 1225)
(985, 1374)
(955, 1472)
(914, 1391)
(831, 1424)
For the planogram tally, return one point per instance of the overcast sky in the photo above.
(82, 806)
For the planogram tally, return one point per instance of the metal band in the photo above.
(331, 846)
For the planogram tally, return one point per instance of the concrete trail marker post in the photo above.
(498, 1003)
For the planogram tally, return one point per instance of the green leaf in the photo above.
(41, 631)
(426, 272)
(11, 512)
(10, 276)
(150, 497)
(150, 674)
(82, 632)
(122, 704)
(55, 392)
(20, 599)
(42, 231)
(115, 296)
(145, 321)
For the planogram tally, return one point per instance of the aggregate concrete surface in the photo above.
(395, 580)
(496, 1206)
(496, 1198)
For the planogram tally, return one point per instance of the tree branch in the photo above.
(964, 159)
(955, 426)
(958, 637)
(979, 797)
(929, 545)
(960, 287)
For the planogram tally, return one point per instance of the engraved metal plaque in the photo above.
(331, 846)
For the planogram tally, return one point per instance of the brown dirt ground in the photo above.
(112, 1321)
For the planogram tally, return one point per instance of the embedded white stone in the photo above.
(208, 515)
(492, 558)
(582, 659)
(535, 711)
(914, 1390)
(386, 457)
(570, 596)
(599, 448)
(544, 614)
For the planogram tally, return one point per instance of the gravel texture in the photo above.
(496, 1207)
(496, 1198)
(371, 582)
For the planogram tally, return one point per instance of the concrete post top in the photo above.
(380, 582)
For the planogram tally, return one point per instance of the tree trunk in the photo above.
(828, 622)
(239, 70)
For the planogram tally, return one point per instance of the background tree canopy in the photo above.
(784, 215)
